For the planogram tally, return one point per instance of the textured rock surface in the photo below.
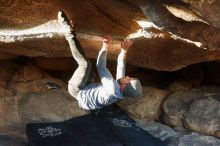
(197, 110)
(171, 44)
(208, 36)
(178, 137)
(204, 116)
(207, 9)
(176, 34)
(147, 107)
(29, 98)
(26, 97)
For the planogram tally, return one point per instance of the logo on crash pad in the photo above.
(121, 123)
(49, 131)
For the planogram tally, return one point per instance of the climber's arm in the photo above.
(122, 58)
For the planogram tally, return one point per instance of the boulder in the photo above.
(146, 107)
(10, 118)
(38, 92)
(32, 96)
(170, 45)
(53, 106)
(195, 109)
(203, 115)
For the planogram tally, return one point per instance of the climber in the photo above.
(92, 95)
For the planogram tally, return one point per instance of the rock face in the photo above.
(197, 110)
(206, 9)
(169, 43)
(148, 107)
(30, 96)
(168, 36)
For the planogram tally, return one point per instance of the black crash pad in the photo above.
(106, 127)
